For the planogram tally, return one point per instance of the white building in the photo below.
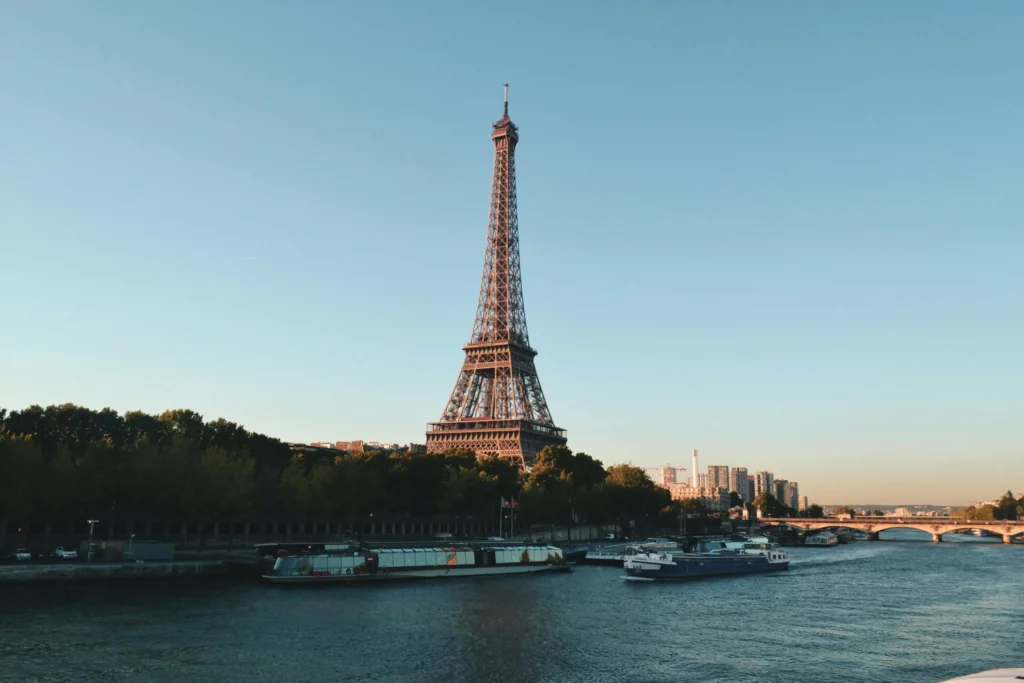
(714, 498)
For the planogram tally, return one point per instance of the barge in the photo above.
(355, 565)
(752, 558)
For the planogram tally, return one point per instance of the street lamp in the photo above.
(130, 541)
(92, 523)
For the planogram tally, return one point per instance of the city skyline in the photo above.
(790, 240)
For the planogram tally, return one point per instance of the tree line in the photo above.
(68, 462)
(1008, 507)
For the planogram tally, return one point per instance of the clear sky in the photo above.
(789, 234)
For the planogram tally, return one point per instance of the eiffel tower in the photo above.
(497, 407)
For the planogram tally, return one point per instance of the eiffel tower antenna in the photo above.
(497, 407)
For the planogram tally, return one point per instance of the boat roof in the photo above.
(991, 675)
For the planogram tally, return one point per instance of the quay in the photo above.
(936, 526)
(104, 571)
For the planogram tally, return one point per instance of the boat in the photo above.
(356, 565)
(613, 555)
(823, 540)
(607, 555)
(752, 558)
(990, 675)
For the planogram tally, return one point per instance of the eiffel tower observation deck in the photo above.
(497, 407)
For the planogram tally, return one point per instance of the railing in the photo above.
(486, 424)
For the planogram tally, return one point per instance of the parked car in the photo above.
(66, 554)
(22, 554)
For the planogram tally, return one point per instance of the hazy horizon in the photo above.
(787, 235)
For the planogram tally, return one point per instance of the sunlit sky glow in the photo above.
(787, 234)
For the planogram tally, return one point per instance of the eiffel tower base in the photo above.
(516, 440)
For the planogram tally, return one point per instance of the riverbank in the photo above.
(106, 571)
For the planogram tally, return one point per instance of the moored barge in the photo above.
(355, 565)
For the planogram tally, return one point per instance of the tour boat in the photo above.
(752, 558)
(823, 540)
(383, 564)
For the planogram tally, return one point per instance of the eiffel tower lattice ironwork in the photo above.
(497, 407)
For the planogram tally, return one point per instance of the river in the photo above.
(860, 613)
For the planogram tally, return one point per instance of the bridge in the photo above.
(936, 526)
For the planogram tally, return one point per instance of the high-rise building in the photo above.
(738, 482)
(497, 407)
(702, 480)
(803, 503)
(794, 495)
(764, 482)
(718, 476)
(693, 473)
(750, 489)
(780, 490)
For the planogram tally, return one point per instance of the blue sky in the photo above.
(788, 234)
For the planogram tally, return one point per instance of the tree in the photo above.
(846, 510)
(1008, 506)
(878, 513)
(734, 499)
(814, 511)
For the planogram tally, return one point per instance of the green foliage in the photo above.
(770, 507)
(845, 510)
(70, 463)
(814, 511)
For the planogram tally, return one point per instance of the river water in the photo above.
(865, 612)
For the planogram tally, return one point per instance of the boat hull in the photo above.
(421, 574)
(685, 568)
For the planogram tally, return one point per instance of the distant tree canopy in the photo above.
(846, 510)
(771, 507)
(68, 462)
(814, 511)
(1007, 507)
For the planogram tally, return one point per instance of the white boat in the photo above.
(609, 554)
(991, 675)
(383, 564)
(822, 540)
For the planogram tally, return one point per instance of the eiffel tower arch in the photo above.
(497, 406)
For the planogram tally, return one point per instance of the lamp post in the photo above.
(92, 524)
(130, 541)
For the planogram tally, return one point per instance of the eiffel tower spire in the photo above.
(497, 406)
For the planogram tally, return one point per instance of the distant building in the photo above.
(803, 502)
(702, 480)
(764, 482)
(750, 489)
(416, 448)
(902, 512)
(781, 491)
(718, 476)
(713, 498)
(738, 482)
(794, 495)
